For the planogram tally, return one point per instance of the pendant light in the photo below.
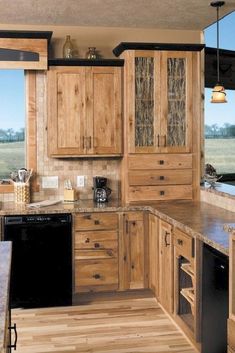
(218, 92)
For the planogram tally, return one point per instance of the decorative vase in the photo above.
(91, 54)
(68, 48)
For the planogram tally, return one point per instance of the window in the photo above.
(220, 118)
(12, 121)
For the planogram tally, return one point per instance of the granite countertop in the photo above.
(5, 266)
(199, 219)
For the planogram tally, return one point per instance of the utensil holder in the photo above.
(22, 193)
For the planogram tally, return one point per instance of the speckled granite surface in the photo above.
(199, 219)
(5, 266)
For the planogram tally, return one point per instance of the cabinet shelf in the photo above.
(188, 294)
(187, 268)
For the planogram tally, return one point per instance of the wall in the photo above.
(105, 39)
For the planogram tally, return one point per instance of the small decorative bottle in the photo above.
(91, 54)
(68, 48)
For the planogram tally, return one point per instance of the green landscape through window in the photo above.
(12, 121)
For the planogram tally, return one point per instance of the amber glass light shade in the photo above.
(218, 94)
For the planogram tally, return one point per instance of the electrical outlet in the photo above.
(50, 182)
(80, 181)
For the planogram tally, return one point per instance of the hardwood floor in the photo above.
(124, 325)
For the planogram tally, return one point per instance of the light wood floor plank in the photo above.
(128, 325)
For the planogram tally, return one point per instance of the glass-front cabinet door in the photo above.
(176, 101)
(160, 106)
(145, 105)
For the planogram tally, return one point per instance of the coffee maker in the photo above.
(100, 190)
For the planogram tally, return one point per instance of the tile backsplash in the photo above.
(66, 168)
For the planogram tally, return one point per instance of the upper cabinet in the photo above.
(84, 111)
(160, 108)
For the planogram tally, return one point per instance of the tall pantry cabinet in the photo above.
(162, 114)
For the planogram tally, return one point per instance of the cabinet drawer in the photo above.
(96, 240)
(96, 273)
(231, 334)
(185, 243)
(168, 192)
(95, 254)
(96, 221)
(160, 161)
(160, 177)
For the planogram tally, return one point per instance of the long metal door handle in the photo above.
(16, 336)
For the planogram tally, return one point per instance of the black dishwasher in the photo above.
(41, 259)
(214, 301)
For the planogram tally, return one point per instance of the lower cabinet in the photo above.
(133, 247)
(231, 320)
(166, 266)
(95, 252)
(154, 254)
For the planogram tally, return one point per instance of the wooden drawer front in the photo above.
(231, 334)
(160, 177)
(96, 221)
(184, 243)
(96, 273)
(160, 161)
(95, 254)
(96, 240)
(170, 192)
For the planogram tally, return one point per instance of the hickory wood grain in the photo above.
(133, 325)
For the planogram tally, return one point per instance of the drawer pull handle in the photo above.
(161, 161)
(166, 235)
(87, 240)
(96, 276)
(180, 241)
(15, 331)
(162, 192)
(97, 221)
(162, 177)
(96, 245)
(88, 216)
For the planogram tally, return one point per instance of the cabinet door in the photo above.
(66, 111)
(133, 256)
(166, 266)
(176, 102)
(104, 116)
(143, 103)
(153, 254)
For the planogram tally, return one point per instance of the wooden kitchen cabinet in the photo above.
(166, 266)
(161, 132)
(133, 248)
(154, 254)
(84, 111)
(95, 252)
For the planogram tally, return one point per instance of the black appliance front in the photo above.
(214, 301)
(41, 259)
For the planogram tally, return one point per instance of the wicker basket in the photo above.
(22, 192)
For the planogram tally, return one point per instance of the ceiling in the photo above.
(162, 14)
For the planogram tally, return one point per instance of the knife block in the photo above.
(70, 195)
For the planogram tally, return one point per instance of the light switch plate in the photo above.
(50, 182)
(80, 181)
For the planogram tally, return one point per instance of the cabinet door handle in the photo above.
(165, 238)
(83, 142)
(16, 336)
(161, 161)
(158, 140)
(161, 177)
(165, 140)
(87, 240)
(96, 245)
(89, 142)
(127, 227)
(97, 221)
(96, 276)
(162, 192)
(180, 241)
